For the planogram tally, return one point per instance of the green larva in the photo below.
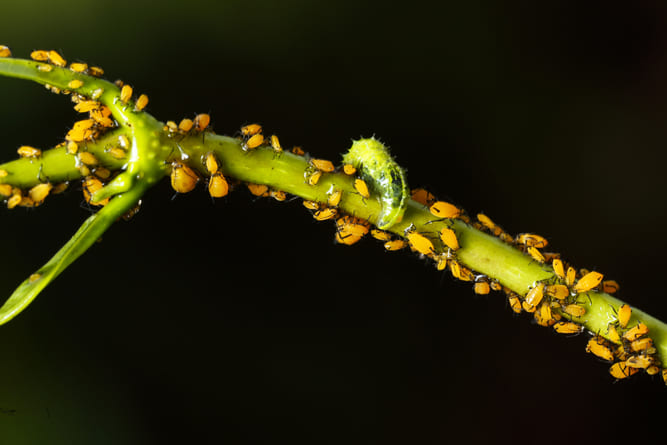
(383, 175)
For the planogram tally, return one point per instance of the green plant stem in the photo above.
(152, 151)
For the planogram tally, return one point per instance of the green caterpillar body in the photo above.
(383, 175)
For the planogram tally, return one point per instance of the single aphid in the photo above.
(323, 164)
(125, 93)
(201, 121)
(624, 313)
(218, 186)
(443, 209)
(141, 103)
(448, 237)
(598, 346)
(183, 178)
(26, 151)
(361, 187)
(418, 241)
(567, 327)
(589, 281)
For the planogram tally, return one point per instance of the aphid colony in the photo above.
(556, 302)
(99, 121)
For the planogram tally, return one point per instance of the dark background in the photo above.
(240, 321)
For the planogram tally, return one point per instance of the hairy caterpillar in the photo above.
(384, 176)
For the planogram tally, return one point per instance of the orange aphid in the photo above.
(588, 282)
(574, 310)
(531, 240)
(423, 196)
(334, 198)
(201, 121)
(5, 51)
(396, 244)
(125, 93)
(141, 103)
(183, 178)
(324, 214)
(323, 164)
(218, 186)
(567, 327)
(254, 142)
(598, 346)
(258, 189)
(349, 169)
(56, 59)
(314, 177)
(624, 313)
(90, 186)
(636, 332)
(39, 192)
(621, 370)
(558, 291)
(95, 71)
(211, 163)
(419, 242)
(185, 125)
(250, 130)
(482, 288)
(27, 151)
(448, 237)
(78, 67)
(443, 209)
(559, 269)
(40, 55)
(533, 298)
(361, 187)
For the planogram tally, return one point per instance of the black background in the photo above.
(240, 321)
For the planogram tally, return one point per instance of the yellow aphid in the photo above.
(496, 286)
(334, 198)
(254, 142)
(78, 67)
(5, 51)
(482, 288)
(423, 196)
(515, 303)
(610, 286)
(612, 333)
(380, 235)
(589, 281)
(34, 277)
(101, 117)
(275, 144)
(574, 310)
(559, 269)
(543, 315)
(96, 71)
(3, 173)
(59, 188)
(278, 195)
(298, 151)
(664, 375)
(441, 262)
(361, 187)
(531, 240)
(324, 214)
(311, 205)
(251, 130)
(201, 121)
(349, 169)
(141, 103)
(533, 298)
(314, 177)
(183, 178)
(639, 361)
(348, 240)
(567, 327)
(448, 237)
(102, 173)
(97, 93)
(27, 151)
(125, 93)
(621, 370)
(443, 209)
(211, 163)
(218, 186)
(90, 186)
(45, 68)
(15, 199)
(570, 276)
(642, 344)
(624, 313)
(636, 332)
(74, 84)
(396, 244)
(56, 59)
(558, 291)
(51, 88)
(536, 254)
(258, 189)
(86, 106)
(186, 125)
(5, 189)
(489, 224)
(598, 346)
(170, 126)
(455, 269)
(349, 225)
(465, 274)
(39, 55)
(39, 192)
(419, 242)
(117, 152)
(652, 370)
(88, 158)
(323, 164)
